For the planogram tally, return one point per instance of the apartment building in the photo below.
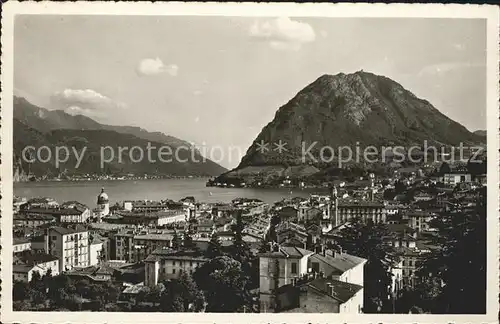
(69, 245)
(165, 263)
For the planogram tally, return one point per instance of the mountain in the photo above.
(359, 109)
(480, 133)
(36, 126)
(45, 120)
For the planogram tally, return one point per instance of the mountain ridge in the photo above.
(36, 126)
(360, 108)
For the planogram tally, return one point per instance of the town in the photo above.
(369, 245)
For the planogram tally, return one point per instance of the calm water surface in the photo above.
(86, 191)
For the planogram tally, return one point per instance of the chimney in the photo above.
(329, 289)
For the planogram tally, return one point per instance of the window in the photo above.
(173, 271)
(294, 268)
(190, 263)
(118, 243)
(462, 178)
(174, 264)
(54, 237)
(315, 266)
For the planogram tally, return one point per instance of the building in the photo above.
(145, 206)
(121, 245)
(146, 243)
(455, 177)
(165, 263)
(320, 295)
(96, 250)
(69, 245)
(339, 266)
(288, 233)
(17, 202)
(136, 245)
(418, 219)
(297, 280)
(96, 273)
(28, 262)
(342, 210)
(160, 218)
(73, 214)
(40, 202)
(223, 211)
(32, 221)
(288, 213)
(345, 210)
(21, 244)
(278, 268)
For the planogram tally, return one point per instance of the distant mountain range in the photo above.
(38, 126)
(347, 110)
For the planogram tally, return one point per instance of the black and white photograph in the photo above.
(334, 163)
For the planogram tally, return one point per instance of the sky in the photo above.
(216, 81)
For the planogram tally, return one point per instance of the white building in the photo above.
(21, 244)
(96, 251)
(327, 275)
(69, 245)
(28, 262)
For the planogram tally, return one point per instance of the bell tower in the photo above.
(334, 202)
(103, 204)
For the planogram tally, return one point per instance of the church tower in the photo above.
(334, 203)
(103, 204)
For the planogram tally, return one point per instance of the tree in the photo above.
(155, 293)
(389, 194)
(47, 277)
(176, 241)
(142, 295)
(366, 240)
(444, 168)
(20, 291)
(456, 268)
(240, 250)
(182, 295)
(188, 243)
(21, 305)
(224, 284)
(214, 247)
(264, 246)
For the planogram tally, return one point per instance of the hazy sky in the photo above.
(219, 80)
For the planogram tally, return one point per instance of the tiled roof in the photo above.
(66, 231)
(341, 262)
(33, 258)
(287, 252)
(20, 240)
(342, 291)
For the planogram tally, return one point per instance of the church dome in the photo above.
(102, 198)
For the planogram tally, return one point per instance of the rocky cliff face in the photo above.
(348, 110)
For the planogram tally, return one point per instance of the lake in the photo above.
(86, 191)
